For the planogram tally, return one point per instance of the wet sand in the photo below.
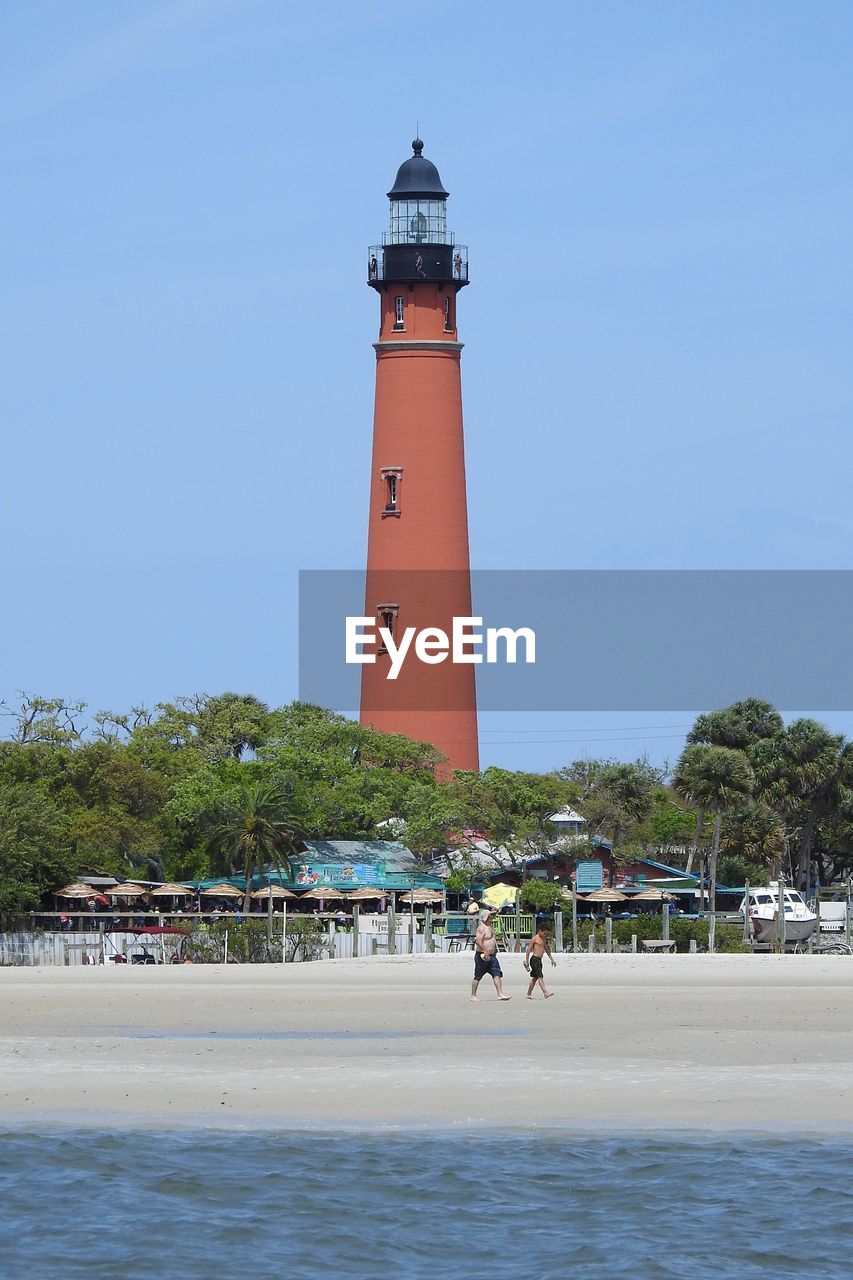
(647, 1042)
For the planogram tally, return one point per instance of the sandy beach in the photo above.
(725, 1042)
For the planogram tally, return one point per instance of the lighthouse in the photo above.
(418, 568)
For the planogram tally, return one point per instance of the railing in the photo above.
(412, 262)
(106, 921)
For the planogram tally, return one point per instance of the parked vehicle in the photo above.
(763, 910)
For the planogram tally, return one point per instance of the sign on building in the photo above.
(589, 876)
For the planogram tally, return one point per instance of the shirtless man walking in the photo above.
(537, 947)
(486, 958)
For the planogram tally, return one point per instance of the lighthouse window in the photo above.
(418, 221)
(386, 615)
(399, 313)
(391, 478)
(447, 325)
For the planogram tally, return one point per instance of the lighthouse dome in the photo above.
(417, 177)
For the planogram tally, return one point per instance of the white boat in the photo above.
(764, 915)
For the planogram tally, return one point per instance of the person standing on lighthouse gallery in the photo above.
(486, 958)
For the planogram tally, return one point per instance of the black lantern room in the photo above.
(418, 245)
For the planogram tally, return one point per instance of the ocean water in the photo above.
(221, 1205)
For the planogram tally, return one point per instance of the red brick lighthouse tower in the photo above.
(418, 572)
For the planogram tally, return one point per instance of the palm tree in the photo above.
(257, 828)
(621, 796)
(738, 726)
(713, 778)
(802, 776)
(757, 833)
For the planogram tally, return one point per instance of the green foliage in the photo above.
(737, 726)
(255, 829)
(35, 850)
(140, 793)
(505, 814)
(728, 937)
(249, 941)
(735, 870)
(714, 777)
(668, 821)
(541, 895)
(615, 797)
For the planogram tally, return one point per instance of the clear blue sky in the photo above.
(657, 372)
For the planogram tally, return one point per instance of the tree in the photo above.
(668, 821)
(37, 719)
(35, 850)
(833, 843)
(541, 895)
(222, 727)
(756, 835)
(621, 795)
(347, 780)
(713, 778)
(256, 828)
(505, 816)
(802, 775)
(738, 726)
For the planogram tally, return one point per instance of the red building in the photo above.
(418, 572)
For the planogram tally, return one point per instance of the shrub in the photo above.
(728, 937)
(541, 895)
(248, 941)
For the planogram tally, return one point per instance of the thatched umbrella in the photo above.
(125, 890)
(651, 894)
(322, 891)
(76, 890)
(366, 895)
(606, 895)
(272, 891)
(421, 897)
(171, 891)
(224, 890)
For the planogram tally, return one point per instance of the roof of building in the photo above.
(391, 854)
(417, 177)
(566, 815)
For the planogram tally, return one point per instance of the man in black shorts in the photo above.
(537, 948)
(486, 958)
